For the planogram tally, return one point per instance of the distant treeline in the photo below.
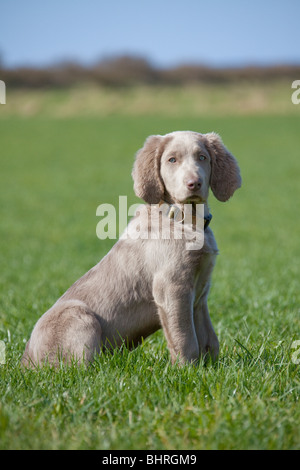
(128, 70)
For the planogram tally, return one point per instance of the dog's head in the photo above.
(181, 166)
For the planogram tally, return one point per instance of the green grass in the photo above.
(54, 174)
(194, 100)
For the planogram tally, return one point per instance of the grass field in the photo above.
(54, 174)
(242, 98)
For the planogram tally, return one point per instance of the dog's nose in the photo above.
(193, 184)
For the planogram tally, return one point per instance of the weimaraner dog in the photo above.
(149, 282)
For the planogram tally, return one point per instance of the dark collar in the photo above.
(174, 211)
(207, 219)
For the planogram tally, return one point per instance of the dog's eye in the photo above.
(202, 157)
(172, 160)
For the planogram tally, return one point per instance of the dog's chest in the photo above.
(203, 274)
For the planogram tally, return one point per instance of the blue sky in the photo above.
(167, 32)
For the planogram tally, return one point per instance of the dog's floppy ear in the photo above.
(148, 184)
(225, 173)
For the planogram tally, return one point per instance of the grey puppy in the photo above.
(147, 283)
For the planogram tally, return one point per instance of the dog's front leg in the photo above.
(207, 338)
(175, 309)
